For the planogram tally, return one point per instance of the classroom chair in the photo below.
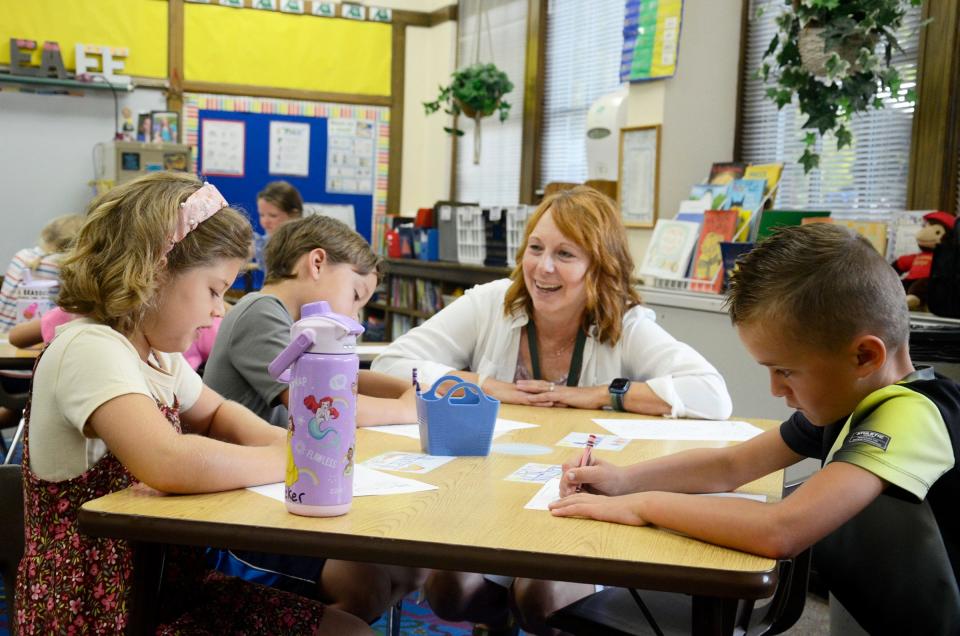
(890, 569)
(627, 612)
(11, 534)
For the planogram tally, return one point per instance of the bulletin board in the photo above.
(241, 177)
(651, 39)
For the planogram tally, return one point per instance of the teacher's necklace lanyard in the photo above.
(573, 375)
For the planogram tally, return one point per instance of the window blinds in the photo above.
(868, 176)
(584, 45)
(503, 41)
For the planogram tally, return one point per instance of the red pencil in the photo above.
(585, 458)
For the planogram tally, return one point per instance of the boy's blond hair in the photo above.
(120, 258)
(821, 283)
(296, 238)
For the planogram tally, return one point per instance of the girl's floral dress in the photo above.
(71, 583)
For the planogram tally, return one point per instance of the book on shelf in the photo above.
(747, 196)
(722, 173)
(713, 196)
(769, 172)
(770, 219)
(874, 231)
(730, 251)
(718, 226)
(671, 245)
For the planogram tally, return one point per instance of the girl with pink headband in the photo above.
(114, 403)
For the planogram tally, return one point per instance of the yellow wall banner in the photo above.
(139, 25)
(266, 48)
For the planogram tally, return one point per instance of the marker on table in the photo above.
(585, 458)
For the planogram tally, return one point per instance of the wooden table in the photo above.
(475, 521)
(15, 358)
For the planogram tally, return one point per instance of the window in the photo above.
(584, 46)
(870, 175)
(502, 29)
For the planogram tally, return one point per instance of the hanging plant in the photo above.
(825, 55)
(476, 91)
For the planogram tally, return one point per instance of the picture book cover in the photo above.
(718, 226)
(747, 194)
(769, 172)
(713, 196)
(729, 253)
(722, 173)
(771, 219)
(873, 231)
(670, 248)
(903, 235)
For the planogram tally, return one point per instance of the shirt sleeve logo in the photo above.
(873, 438)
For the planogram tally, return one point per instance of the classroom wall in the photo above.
(427, 149)
(46, 156)
(697, 107)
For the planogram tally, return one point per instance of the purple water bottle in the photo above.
(321, 427)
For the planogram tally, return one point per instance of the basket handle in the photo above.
(466, 386)
(432, 392)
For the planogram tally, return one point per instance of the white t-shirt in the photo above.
(86, 365)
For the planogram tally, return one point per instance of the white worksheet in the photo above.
(547, 494)
(413, 430)
(681, 430)
(535, 473)
(407, 462)
(604, 442)
(366, 482)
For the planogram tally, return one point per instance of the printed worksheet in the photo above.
(548, 493)
(604, 442)
(535, 473)
(366, 482)
(407, 462)
(681, 430)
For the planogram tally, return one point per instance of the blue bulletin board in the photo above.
(250, 118)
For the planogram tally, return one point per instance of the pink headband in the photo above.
(198, 207)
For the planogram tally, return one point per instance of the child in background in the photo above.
(43, 262)
(43, 329)
(823, 311)
(115, 404)
(278, 203)
(308, 260)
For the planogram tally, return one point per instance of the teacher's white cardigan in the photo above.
(474, 334)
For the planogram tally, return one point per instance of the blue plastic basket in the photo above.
(456, 425)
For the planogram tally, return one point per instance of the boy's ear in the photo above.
(316, 260)
(871, 353)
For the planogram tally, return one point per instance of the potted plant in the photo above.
(834, 56)
(476, 91)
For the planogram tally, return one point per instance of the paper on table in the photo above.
(407, 462)
(366, 481)
(604, 442)
(371, 348)
(548, 493)
(535, 473)
(681, 430)
(413, 430)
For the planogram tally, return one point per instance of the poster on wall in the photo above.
(350, 156)
(223, 147)
(289, 148)
(638, 187)
(651, 37)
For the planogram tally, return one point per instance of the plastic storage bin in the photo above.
(456, 425)
(461, 230)
(517, 216)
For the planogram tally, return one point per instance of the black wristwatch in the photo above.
(618, 388)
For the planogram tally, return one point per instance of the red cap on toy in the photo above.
(941, 217)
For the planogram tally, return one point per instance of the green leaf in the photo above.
(810, 139)
(809, 160)
(911, 95)
(844, 137)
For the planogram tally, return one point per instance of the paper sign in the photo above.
(290, 148)
(222, 144)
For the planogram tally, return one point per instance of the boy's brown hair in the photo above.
(822, 283)
(296, 238)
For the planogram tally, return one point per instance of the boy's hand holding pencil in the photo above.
(586, 473)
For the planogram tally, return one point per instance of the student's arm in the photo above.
(170, 462)
(694, 471)
(26, 334)
(382, 385)
(826, 501)
(228, 421)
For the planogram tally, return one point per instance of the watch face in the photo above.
(619, 385)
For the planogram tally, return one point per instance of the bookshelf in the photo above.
(413, 290)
